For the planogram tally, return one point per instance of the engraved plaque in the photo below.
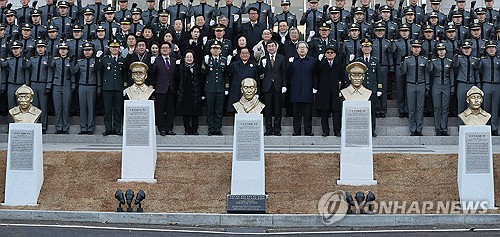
(477, 150)
(137, 130)
(248, 143)
(246, 204)
(21, 149)
(357, 130)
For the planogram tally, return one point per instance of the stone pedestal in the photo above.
(248, 170)
(356, 153)
(139, 142)
(24, 175)
(475, 167)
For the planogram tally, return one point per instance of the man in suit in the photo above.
(273, 86)
(252, 29)
(163, 68)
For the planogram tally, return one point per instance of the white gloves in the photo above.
(212, 22)
(124, 93)
(320, 57)
(99, 53)
(283, 90)
(229, 57)
(290, 59)
(203, 98)
(379, 93)
(351, 57)
(178, 62)
(226, 92)
(152, 60)
(205, 40)
(264, 62)
(340, 94)
(315, 91)
(311, 34)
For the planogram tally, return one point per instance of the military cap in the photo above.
(491, 43)
(88, 11)
(285, 2)
(331, 47)
(125, 21)
(466, 44)
(138, 67)
(26, 26)
(449, 28)
(3, 26)
(150, 0)
(63, 45)
(488, 0)
(219, 27)
(100, 28)
(10, 12)
(16, 44)
(36, 12)
(313, 1)
(359, 10)
(427, 28)
(404, 27)
(63, 4)
(136, 10)
(334, 9)
(456, 13)
(163, 12)
(356, 67)
(475, 26)
(474, 90)
(122, 0)
(433, 15)
(366, 42)
(24, 89)
(114, 43)
(41, 42)
(440, 46)
(385, 8)
(88, 45)
(380, 26)
(77, 28)
(324, 26)
(480, 10)
(459, 0)
(109, 9)
(215, 44)
(416, 43)
(52, 28)
(409, 11)
(435, 1)
(354, 26)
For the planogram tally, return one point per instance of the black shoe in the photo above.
(401, 115)
(419, 134)
(163, 133)
(186, 133)
(337, 134)
(171, 133)
(59, 132)
(444, 133)
(377, 115)
(107, 133)
(210, 133)
(382, 115)
(325, 134)
(439, 133)
(44, 131)
(310, 134)
(268, 133)
(374, 134)
(295, 134)
(82, 133)
(118, 133)
(494, 133)
(413, 134)
(65, 132)
(90, 133)
(406, 115)
(277, 134)
(195, 133)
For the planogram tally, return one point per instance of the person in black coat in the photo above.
(329, 82)
(195, 44)
(273, 65)
(140, 54)
(239, 70)
(189, 93)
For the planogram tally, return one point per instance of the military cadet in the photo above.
(450, 41)
(53, 40)
(88, 24)
(252, 29)
(4, 50)
(38, 31)
(101, 43)
(478, 43)
(75, 44)
(312, 18)
(14, 73)
(232, 13)
(381, 49)
(89, 83)
(441, 75)
(402, 49)
(373, 77)
(74, 11)
(113, 82)
(428, 42)
(352, 45)
(124, 31)
(163, 24)
(122, 11)
(489, 68)
(369, 14)
(204, 9)
(433, 21)
(178, 11)
(109, 23)
(491, 14)
(391, 28)
(62, 84)
(345, 16)
(150, 15)
(286, 15)
(48, 10)
(462, 31)
(136, 25)
(419, 11)
(216, 85)
(63, 21)
(364, 27)
(338, 30)
(40, 73)
(415, 29)
(318, 45)
(226, 45)
(98, 10)
(23, 13)
(413, 70)
(265, 12)
(12, 29)
(460, 8)
(28, 42)
(3, 9)
(436, 13)
(487, 29)
(467, 76)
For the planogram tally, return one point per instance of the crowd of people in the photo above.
(76, 59)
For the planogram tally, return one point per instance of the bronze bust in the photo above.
(474, 115)
(139, 90)
(249, 103)
(356, 91)
(25, 112)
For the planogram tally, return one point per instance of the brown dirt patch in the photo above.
(199, 182)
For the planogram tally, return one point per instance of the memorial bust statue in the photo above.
(356, 91)
(25, 112)
(249, 103)
(474, 115)
(139, 90)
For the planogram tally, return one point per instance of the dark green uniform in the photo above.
(372, 82)
(216, 83)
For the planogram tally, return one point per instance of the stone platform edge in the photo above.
(250, 220)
